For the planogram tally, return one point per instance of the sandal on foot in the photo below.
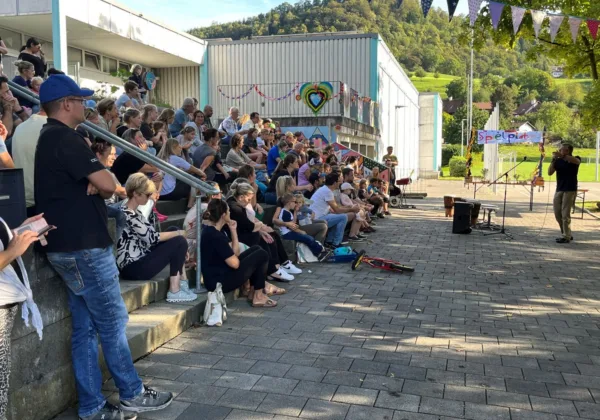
(272, 290)
(270, 303)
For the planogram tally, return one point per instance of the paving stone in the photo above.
(340, 377)
(172, 412)
(331, 362)
(397, 401)
(527, 387)
(383, 383)
(487, 412)
(503, 371)
(393, 358)
(207, 394)
(200, 360)
(248, 415)
(442, 407)
(428, 362)
(487, 382)
(260, 341)
(588, 410)
(238, 398)
(541, 376)
(234, 364)
(315, 390)
(404, 415)
(530, 415)
(465, 367)
(549, 405)
(367, 366)
(295, 358)
(165, 371)
(318, 409)
(426, 389)
(356, 353)
(407, 372)
(464, 393)
(271, 355)
(520, 362)
(582, 380)
(304, 373)
(508, 399)
(357, 412)
(445, 377)
(353, 395)
(285, 405)
(570, 393)
(237, 380)
(275, 385)
(559, 366)
(204, 412)
(200, 376)
(293, 345)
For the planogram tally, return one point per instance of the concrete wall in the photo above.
(430, 129)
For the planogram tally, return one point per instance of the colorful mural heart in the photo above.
(316, 95)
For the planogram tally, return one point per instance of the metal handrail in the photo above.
(147, 158)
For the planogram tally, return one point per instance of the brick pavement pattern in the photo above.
(449, 341)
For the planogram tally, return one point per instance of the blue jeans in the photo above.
(116, 212)
(315, 247)
(97, 309)
(336, 224)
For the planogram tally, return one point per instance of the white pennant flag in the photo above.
(575, 24)
(555, 22)
(474, 6)
(517, 17)
(538, 17)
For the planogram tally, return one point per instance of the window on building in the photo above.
(363, 149)
(354, 146)
(110, 65)
(123, 65)
(92, 61)
(371, 152)
(11, 39)
(74, 55)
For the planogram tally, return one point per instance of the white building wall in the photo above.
(399, 126)
(430, 130)
(176, 84)
(277, 64)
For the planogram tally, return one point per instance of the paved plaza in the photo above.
(485, 328)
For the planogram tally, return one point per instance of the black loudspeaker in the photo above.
(462, 218)
(12, 197)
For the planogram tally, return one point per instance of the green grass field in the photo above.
(432, 84)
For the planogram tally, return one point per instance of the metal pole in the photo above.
(472, 84)
(462, 136)
(199, 287)
(597, 153)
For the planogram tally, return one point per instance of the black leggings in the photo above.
(276, 251)
(253, 266)
(170, 252)
(376, 202)
(182, 190)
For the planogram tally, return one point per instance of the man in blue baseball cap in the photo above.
(70, 188)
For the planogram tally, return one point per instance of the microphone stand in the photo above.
(503, 231)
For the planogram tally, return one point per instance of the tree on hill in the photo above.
(452, 130)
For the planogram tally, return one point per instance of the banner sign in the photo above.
(508, 137)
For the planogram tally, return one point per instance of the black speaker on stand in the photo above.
(12, 197)
(462, 218)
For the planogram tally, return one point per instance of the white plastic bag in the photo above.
(215, 311)
(305, 255)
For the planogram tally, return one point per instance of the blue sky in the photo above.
(186, 14)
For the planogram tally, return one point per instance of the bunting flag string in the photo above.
(474, 6)
(452, 4)
(426, 5)
(270, 98)
(555, 23)
(496, 10)
(517, 17)
(575, 24)
(242, 96)
(538, 17)
(593, 27)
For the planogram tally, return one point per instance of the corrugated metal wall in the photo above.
(399, 126)
(176, 84)
(280, 64)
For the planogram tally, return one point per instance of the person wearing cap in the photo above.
(70, 187)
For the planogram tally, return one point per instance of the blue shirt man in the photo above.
(181, 117)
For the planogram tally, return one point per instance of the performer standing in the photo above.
(566, 167)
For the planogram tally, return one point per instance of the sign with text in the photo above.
(508, 137)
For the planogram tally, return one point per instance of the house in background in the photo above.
(451, 106)
(524, 127)
(528, 107)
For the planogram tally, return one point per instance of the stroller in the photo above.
(398, 193)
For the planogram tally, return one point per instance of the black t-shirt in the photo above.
(146, 131)
(245, 227)
(126, 165)
(63, 162)
(272, 187)
(249, 142)
(214, 250)
(38, 64)
(566, 175)
(121, 130)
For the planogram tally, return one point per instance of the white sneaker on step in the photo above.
(290, 268)
(282, 275)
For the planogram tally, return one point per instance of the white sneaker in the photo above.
(290, 268)
(185, 286)
(180, 296)
(283, 275)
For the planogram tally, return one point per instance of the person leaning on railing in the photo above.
(127, 164)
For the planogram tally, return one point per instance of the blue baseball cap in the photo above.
(60, 86)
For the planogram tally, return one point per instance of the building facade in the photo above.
(430, 128)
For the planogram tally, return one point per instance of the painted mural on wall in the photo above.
(316, 95)
(320, 135)
(365, 164)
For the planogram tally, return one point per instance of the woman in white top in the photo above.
(199, 127)
(173, 189)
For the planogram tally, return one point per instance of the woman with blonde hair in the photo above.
(172, 188)
(149, 117)
(167, 116)
(142, 252)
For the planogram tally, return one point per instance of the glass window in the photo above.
(363, 149)
(110, 65)
(371, 152)
(74, 55)
(11, 39)
(123, 65)
(92, 61)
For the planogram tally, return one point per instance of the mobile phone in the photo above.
(40, 226)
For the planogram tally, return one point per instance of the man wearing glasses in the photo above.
(70, 188)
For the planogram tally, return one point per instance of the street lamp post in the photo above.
(462, 135)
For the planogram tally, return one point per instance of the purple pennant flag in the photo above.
(538, 17)
(593, 26)
(474, 6)
(452, 8)
(496, 12)
(575, 24)
(426, 5)
(555, 22)
(517, 17)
